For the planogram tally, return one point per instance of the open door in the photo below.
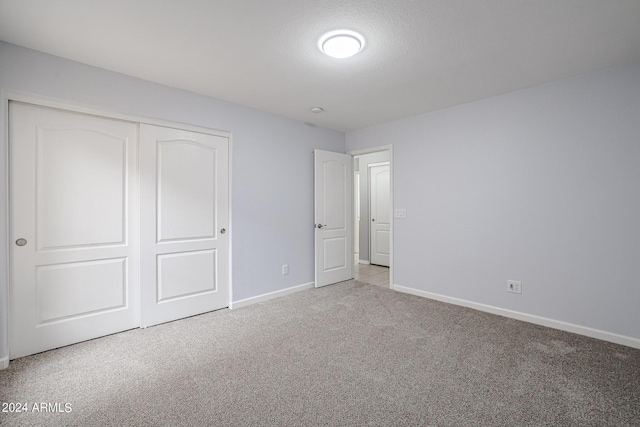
(333, 217)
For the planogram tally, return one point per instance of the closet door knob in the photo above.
(21, 242)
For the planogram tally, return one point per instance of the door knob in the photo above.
(21, 242)
(373, 220)
(223, 231)
(321, 225)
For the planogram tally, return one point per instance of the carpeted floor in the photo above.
(349, 354)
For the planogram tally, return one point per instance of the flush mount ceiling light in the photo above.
(341, 43)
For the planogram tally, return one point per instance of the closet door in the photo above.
(379, 210)
(184, 223)
(73, 228)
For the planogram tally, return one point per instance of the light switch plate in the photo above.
(401, 213)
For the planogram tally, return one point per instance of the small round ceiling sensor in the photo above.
(341, 43)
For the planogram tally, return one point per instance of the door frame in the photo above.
(377, 149)
(7, 96)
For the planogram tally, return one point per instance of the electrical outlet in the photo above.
(285, 269)
(514, 286)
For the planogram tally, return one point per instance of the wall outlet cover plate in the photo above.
(514, 286)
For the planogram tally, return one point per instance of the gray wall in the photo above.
(540, 185)
(364, 161)
(272, 180)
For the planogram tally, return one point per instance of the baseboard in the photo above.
(543, 321)
(365, 262)
(270, 295)
(4, 363)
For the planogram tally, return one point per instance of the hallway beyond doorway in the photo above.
(372, 274)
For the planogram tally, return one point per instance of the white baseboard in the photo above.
(543, 321)
(365, 262)
(4, 363)
(270, 295)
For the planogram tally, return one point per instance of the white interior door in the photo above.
(333, 217)
(380, 211)
(73, 228)
(185, 223)
(356, 217)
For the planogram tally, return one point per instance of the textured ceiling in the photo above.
(420, 56)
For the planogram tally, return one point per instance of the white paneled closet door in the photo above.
(109, 232)
(73, 228)
(380, 211)
(185, 223)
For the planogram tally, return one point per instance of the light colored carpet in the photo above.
(346, 355)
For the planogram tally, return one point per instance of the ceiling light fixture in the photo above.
(317, 109)
(341, 43)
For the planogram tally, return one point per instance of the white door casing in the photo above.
(185, 223)
(333, 186)
(74, 201)
(380, 212)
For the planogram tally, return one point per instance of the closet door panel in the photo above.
(184, 234)
(73, 221)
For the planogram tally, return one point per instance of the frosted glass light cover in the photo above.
(341, 44)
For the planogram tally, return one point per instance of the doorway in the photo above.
(368, 268)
